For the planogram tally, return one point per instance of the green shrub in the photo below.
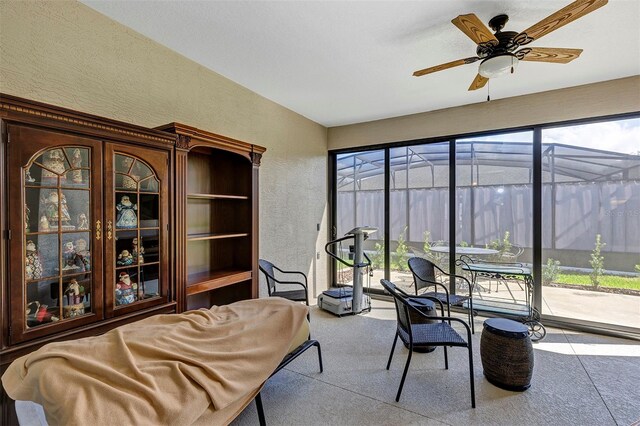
(550, 271)
(377, 260)
(399, 260)
(427, 242)
(597, 262)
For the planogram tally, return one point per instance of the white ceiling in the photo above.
(343, 62)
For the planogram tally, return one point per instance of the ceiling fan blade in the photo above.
(478, 82)
(567, 14)
(473, 27)
(551, 54)
(445, 66)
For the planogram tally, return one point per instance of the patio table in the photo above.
(530, 316)
(467, 251)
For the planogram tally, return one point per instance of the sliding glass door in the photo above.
(591, 222)
(583, 195)
(418, 205)
(359, 202)
(494, 193)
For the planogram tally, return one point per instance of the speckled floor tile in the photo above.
(578, 379)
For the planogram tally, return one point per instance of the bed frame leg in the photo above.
(261, 419)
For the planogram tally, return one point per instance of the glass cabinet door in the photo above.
(136, 240)
(56, 233)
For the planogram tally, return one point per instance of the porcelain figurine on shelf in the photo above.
(76, 163)
(54, 166)
(69, 256)
(73, 292)
(83, 222)
(51, 209)
(83, 256)
(65, 218)
(27, 176)
(43, 226)
(56, 208)
(138, 251)
(126, 213)
(125, 290)
(124, 258)
(32, 266)
(27, 212)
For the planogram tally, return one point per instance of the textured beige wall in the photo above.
(610, 97)
(66, 54)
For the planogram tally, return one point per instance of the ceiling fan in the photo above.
(499, 52)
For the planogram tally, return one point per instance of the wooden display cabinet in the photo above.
(85, 208)
(216, 218)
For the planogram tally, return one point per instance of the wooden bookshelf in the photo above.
(217, 218)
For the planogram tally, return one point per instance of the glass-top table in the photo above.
(503, 271)
(468, 251)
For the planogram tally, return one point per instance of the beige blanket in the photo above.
(167, 369)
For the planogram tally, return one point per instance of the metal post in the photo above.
(358, 260)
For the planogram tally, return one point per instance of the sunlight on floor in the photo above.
(589, 349)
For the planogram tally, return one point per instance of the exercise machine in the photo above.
(343, 300)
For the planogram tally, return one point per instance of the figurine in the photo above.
(76, 163)
(43, 315)
(65, 218)
(53, 166)
(73, 292)
(53, 214)
(124, 258)
(125, 290)
(126, 213)
(27, 176)
(51, 208)
(83, 222)
(69, 255)
(44, 224)
(32, 266)
(83, 256)
(27, 212)
(138, 251)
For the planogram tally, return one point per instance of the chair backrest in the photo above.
(402, 308)
(267, 269)
(422, 269)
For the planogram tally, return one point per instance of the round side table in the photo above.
(507, 354)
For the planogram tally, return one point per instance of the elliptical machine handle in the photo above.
(326, 249)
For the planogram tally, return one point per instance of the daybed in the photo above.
(199, 367)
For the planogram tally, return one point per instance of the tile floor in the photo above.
(579, 379)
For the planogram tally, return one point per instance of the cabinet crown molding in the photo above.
(25, 110)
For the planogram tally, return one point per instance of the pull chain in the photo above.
(488, 90)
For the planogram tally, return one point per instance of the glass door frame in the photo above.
(537, 204)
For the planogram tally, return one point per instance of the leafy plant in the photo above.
(463, 244)
(427, 242)
(400, 256)
(550, 271)
(377, 260)
(502, 245)
(597, 262)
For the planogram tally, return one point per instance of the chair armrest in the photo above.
(467, 281)
(292, 283)
(436, 284)
(292, 272)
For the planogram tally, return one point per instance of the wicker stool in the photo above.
(506, 354)
(427, 307)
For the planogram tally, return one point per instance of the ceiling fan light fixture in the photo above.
(496, 66)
